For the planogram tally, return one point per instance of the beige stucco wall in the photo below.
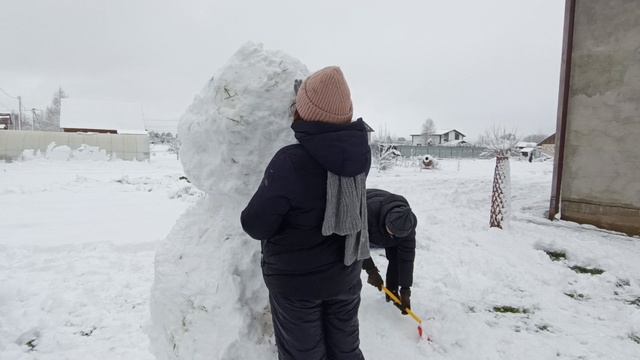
(601, 179)
(121, 146)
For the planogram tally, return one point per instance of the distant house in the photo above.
(5, 121)
(93, 116)
(369, 131)
(437, 138)
(525, 149)
(548, 145)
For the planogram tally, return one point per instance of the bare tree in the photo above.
(387, 156)
(51, 119)
(428, 129)
(384, 136)
(174, 146)
(500, 143)
(384, 150)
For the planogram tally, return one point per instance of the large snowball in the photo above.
(208, 299)
(241, 117)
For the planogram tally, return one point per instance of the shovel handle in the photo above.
(397, 301)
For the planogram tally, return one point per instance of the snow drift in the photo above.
(208, 299)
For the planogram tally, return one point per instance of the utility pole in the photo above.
(34, 117)
(19, 112)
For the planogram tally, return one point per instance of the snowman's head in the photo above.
(239, 120)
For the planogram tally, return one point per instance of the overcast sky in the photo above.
(466, 64)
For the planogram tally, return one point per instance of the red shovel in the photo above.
(413, 315)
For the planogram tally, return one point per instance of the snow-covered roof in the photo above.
(124, 117)
(366, 126)
(442, 132)
(551, 139)
(525, 144)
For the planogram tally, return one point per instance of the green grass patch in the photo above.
(623, 283)
(635, 302)
(577, 296)
(543, 327)
(585, 270)
(506, 309)
(32, 344)
(87, 332)
(556, 255)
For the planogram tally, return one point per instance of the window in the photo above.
(457, 136)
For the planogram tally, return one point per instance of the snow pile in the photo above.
(65, 153)
(208, 299)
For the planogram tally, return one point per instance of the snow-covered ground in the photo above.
(78, 238)
(77, 245)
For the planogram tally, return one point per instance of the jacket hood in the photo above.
(342, 149)
(392, 201)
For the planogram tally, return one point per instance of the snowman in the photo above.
(208, 299)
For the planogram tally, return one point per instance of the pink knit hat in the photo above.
(324, 96)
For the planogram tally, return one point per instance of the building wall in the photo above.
(125, 147)
(418, 140)
(601, 176)
(548, 149)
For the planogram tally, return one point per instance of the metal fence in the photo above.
(121, 146)
(442, 152)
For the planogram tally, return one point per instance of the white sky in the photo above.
(467, 64)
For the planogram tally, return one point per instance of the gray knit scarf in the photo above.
(346, 214)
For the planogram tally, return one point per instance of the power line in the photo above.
(5, 106)
(7, 94)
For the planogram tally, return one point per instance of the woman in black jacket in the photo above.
(313, 279)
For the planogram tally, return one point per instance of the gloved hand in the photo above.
(394, 291)
(405, 298)
(374, 279)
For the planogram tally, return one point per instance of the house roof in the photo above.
(551, 139)
(124, 117)
(526, 144)
(441, 132)
(369, 128)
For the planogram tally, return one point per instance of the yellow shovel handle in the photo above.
(397, 301)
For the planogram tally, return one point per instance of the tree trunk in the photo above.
(501, 196)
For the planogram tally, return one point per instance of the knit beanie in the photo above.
(400, 221)
(324, 96)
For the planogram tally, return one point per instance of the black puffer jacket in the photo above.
(287, 211)
(379, 202)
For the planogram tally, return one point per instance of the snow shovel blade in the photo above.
(409, 311)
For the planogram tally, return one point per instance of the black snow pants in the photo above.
(316, 329)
